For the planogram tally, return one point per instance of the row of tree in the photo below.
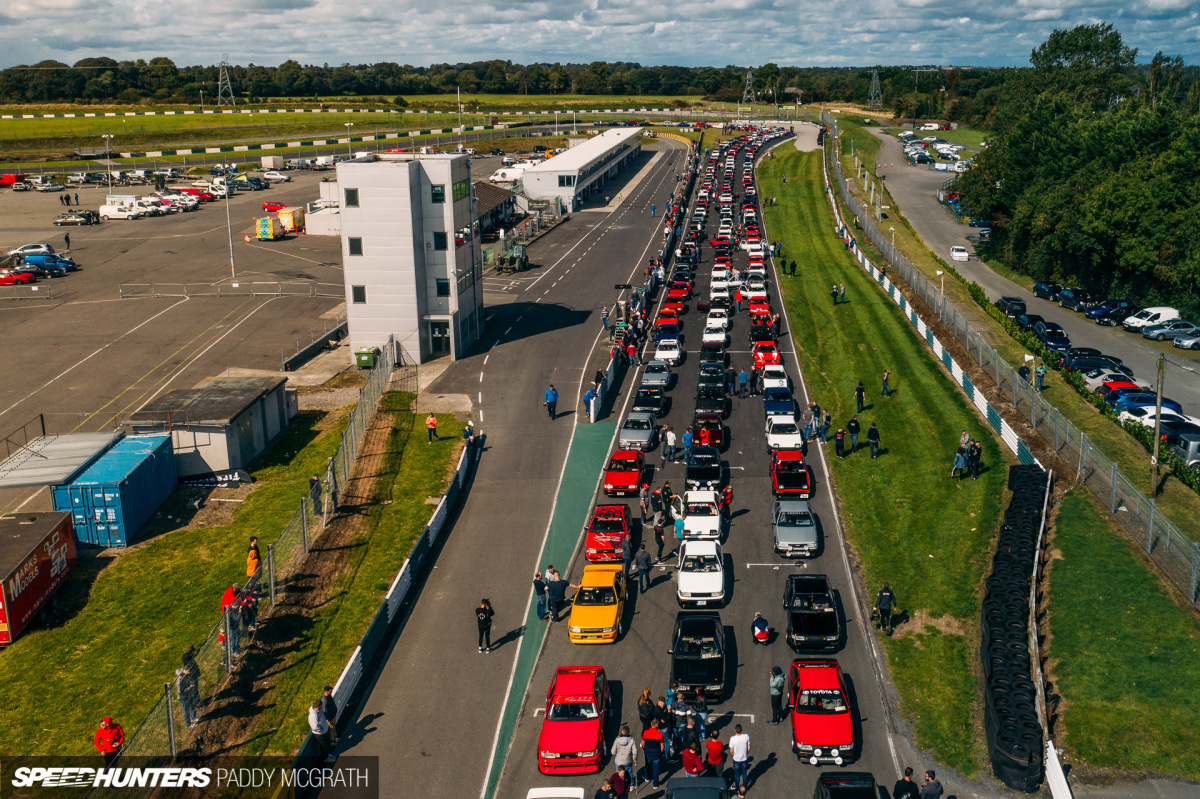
(1092, 178)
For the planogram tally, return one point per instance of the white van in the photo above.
(1150, 316)
(119, 212)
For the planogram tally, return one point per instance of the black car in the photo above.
(1026, 321)
(41, 272)
(846, 785)
(698, 656)
(705, 469)
(713, 351)
(497, 151)
(1114, 317)
(712, 373)
(812, 616)
(1075, 299)
(698, 788)
(1084, 363)
(712, 399)
(651, 399)
(764, 333)
(539, 148)
(1047, 291)
(1012, 306)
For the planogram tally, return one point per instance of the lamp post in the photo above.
(108, 159)
(942, 275)
(229, 229)
(893, 231)
(348, 126)
(202, 101)
(555, 123)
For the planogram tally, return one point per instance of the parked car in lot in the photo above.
(48, 187)
(599, 605)
(783, 433)
(1110, 306)
(702, 515)
(1075, 299)
(812, 616)
(273, 205)
(822, 727)
(700, 574)
(1145, 415)
(1046, 291)
(572, 740)
(708, 429)
(650, 399)
(1172, 330)
(705, 468)
(657, 374)
(1122, 401)
(30, 249)
(668, 351)
(1187, 342)
(698, 656)
(50, 260)
(1093, 379)
(790, 477)
(1011, 306)
(16, 277)
(1026, 321)
(277, 177)
(1148, 317)
(846, 785)
(70, 218)
(1052, 336)
(1114, 316)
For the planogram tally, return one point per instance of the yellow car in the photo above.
(599, 605)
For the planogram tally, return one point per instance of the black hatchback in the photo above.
(1046, 291)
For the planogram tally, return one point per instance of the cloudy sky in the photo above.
(715, 32)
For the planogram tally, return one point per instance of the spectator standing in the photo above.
(622, 782)
(248, 607)
(731, 377)
(645, 707)
(653, 747)
(108, 740)
(726, 501)
(483, 616)
(964, 439)
(643, 563)
(853, 428)
(960, 464)
(550, 400)
(739, 753)
(974, 455)
(539, 593)
(932, 789)
(468, 433)
(679, 525)
(557, 590)
(626, 554)
(776, 685)
(1023, 372)
(886, 374)
(644, 500)
(625, 752)
(860, 396)
(67, 240)
(885, 603)
(839, 442)
(833, 294)
(693, 761)
(321, 732)
(906, 788)
(604, 317)
(659, 539)
(807, 417)
(672, 441)
(431, 427)
(842, 294)
(1040, 372)
(688, 440)
(873, 440)
(77, 198)
(792, 268)
(826, 421)
(743, 382)
(605, 791)
(188, 686)
(737, 301)
(587, 402)
(701, 707)
(253, 562)
(330, 709)
(716, 754)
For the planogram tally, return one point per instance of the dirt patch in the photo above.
(918, 621)
(231, 719)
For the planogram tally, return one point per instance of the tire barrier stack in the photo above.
(1011, 718)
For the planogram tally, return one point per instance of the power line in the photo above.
(874, 96)
(224, 87)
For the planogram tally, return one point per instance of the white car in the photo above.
(32, 249)
(775, 376)
(669, 350)
(1095, 378)
(717, 317)
(700, 574)
(719, 293)
(720, 278)
(714, 334)
(959, 254)
(784, 433)
(1145, 415)
(277, 177)
(754, 249)
(703, 518)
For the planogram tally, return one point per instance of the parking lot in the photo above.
(85, 358)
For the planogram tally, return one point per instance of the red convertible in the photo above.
(572, 738)
(624, 472)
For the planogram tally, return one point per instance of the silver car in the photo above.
(1172, 330)
(657, 373)
(795, 529)
(1191, 342)
(639, 431)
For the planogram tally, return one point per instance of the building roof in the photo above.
(21, 534)
(584, 154)
(215, 401)
(53, 459)
(489, 196)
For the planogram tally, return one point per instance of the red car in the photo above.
(720, 241)
(1113, 384)
(679, 290)
(758, 305)
(790, 478)
(624, 472)
(667, 316)
(273, 205)
(606, 531)
(572, 738)
(14, 277)
(822, 730)
(675, 304)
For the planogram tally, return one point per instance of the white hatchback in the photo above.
(717, 317)
(959, 254)
(700, 575)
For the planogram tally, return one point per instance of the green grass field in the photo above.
(972, 137)
(906, 520)
(1125, 657)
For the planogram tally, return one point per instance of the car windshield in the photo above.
(701, 563)
(784, 428)
(821, 700)
(703, 459)
(608, 524)
(668, 346)
(810, 602)
(656, 369)
(599, 595)
(794, 519)
(623, 465)
(790, 467)
(697, 646)
(572, 711)
(637, 424)
(701, 509)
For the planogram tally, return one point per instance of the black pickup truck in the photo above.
(698, 656)
(812, 617)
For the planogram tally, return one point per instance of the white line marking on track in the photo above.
(481, 377)
(506, 332)
(485, 358)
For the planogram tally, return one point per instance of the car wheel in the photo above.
(620, 630)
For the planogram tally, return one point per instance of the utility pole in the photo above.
(874, 95)
(748, 92)
(224, 86)
(1157, 432)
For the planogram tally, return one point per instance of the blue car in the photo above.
(1108, 307)
(51, 261)
(1052, 335)
(777, 401)
(1142, 400)
(665, 332)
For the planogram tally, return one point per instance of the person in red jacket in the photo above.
(693, 761)
(109, 739)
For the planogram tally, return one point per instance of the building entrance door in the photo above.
(439, 337)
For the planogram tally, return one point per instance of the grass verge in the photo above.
(1126, 658)
(906, 520)
(123, 619)
(410, 473)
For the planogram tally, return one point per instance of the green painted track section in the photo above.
(585, 461)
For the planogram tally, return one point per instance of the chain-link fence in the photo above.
(165, 732)
(1174, 551)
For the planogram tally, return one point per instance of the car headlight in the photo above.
(817, 751)
(834, 751)
(592, 753)
(685, 594)
(608, 486)
(609, 630)
(575, 629)
(551, 755)
(804, 747)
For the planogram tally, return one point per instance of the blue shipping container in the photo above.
(111, 499)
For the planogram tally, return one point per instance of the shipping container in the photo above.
(111, 500)
(272, 162)
(268, 228)
(37, 551)
(292, 219)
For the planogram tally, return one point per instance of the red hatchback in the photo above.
(273, 205)
(609, 527)
(624, 472)
(789, 475)
(822, 730)
(679, 290)
(765, 354)
(573, 728)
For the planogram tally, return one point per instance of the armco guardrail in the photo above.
(377, 633)
(1171, 549)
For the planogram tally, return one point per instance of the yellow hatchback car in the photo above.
(599, 605)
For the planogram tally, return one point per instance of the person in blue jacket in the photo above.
(551, 401)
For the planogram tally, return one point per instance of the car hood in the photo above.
(594, 615)
(823, 729)
(635, 435)
(795, 535)
(621, 478)
(701, 582)
(569, 736)
(702, 525)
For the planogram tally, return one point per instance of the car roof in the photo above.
(699, 546)
(792, 505)
(696, 495)
(788, 455)
(575, 680)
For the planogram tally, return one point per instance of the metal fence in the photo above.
(1174, 551)
(42, 291)
(303, 347)
(164, 733)
(237, 288)
(521, 233)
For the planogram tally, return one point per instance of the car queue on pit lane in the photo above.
(812, 697)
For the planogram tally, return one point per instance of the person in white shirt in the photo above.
(321, 731)
(739, 753)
